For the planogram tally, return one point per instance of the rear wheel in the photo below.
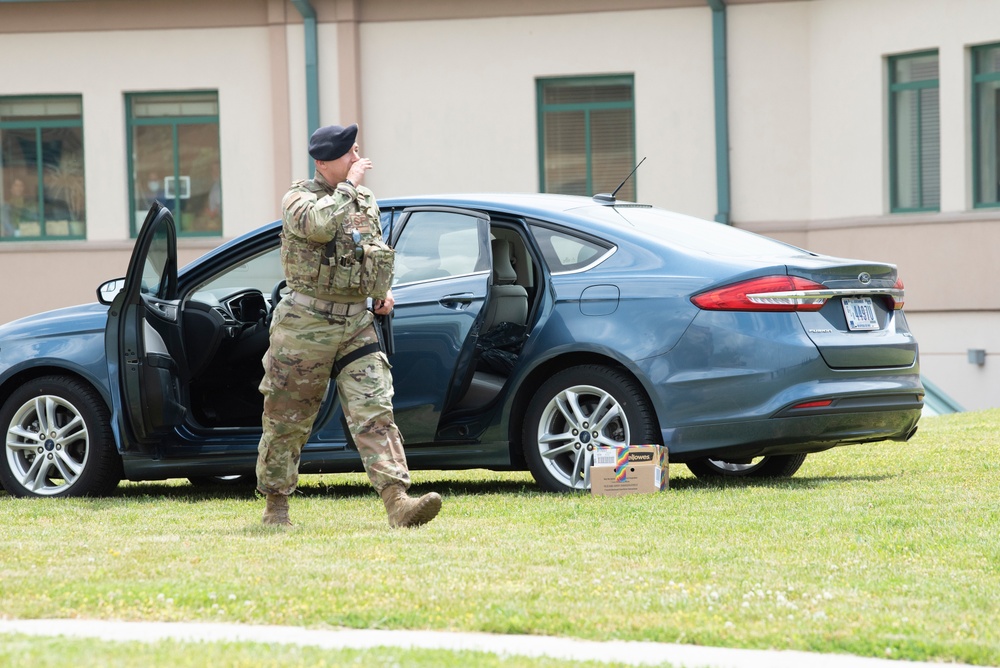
(574, 411)
(58, 440)
(772, 466)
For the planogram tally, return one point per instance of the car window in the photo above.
(565, 252)
(438, 244)
(261, 272)
(387, 219)
(155, 266)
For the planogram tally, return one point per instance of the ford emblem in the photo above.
(865, 278)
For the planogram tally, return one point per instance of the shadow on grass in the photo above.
(151, 491)
(774, 483)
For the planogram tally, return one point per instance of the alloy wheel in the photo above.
(573, 423)
(47, 446)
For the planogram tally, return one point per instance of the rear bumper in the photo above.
(786, 434)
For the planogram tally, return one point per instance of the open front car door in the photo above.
(143, 339)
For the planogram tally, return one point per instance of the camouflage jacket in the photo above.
(331, 242)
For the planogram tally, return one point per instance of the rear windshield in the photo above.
(694, 233)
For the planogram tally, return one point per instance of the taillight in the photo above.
(896, 296)
(768, 293)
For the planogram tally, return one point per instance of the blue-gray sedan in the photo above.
(528, 329)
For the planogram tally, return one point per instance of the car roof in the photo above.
(541, 204)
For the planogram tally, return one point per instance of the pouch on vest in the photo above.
(377, 264)
(357, 263)
(300, 259)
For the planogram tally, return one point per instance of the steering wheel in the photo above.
(275, 298)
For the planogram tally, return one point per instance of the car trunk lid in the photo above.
(861, 325)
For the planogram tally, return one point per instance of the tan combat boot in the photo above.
(406, 512)
(276, 511)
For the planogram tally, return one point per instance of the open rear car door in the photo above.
(442, 280)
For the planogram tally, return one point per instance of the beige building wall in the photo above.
(770, 122)
(450, 105)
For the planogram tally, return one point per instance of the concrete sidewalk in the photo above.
(631, 653)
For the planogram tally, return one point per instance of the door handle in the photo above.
(457, 301)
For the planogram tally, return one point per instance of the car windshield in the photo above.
(694, 233)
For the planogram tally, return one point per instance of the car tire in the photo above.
(77, 458)
(772, 466)
(559, 430)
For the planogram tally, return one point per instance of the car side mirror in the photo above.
(108, 290)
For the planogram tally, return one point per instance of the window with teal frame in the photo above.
(914, 133)
(173, 155)
(42, 193)
(986, 125)
(586, 135)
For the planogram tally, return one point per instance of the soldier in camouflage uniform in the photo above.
(334, 260)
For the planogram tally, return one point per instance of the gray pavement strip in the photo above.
(625, 652)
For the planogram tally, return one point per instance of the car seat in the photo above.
(507, 301)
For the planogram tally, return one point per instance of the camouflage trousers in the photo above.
(303, 346)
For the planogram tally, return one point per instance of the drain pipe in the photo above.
(719, 59)
(312, 70)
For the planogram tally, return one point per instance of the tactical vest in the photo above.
(354, 265)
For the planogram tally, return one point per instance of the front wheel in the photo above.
(576, 410)
(58, 440)
(772, 466)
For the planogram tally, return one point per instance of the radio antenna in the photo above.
(609, 198)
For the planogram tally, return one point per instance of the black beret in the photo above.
(332, 141)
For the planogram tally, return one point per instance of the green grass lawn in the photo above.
(883, 550)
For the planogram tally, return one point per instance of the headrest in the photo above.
(503, 270)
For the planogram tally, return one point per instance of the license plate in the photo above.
(860, 314)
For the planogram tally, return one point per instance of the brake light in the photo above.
(896, 296)
(823, 403)
(767, 293)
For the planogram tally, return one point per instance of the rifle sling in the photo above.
(352, 356)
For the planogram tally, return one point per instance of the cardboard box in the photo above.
(632, 469)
